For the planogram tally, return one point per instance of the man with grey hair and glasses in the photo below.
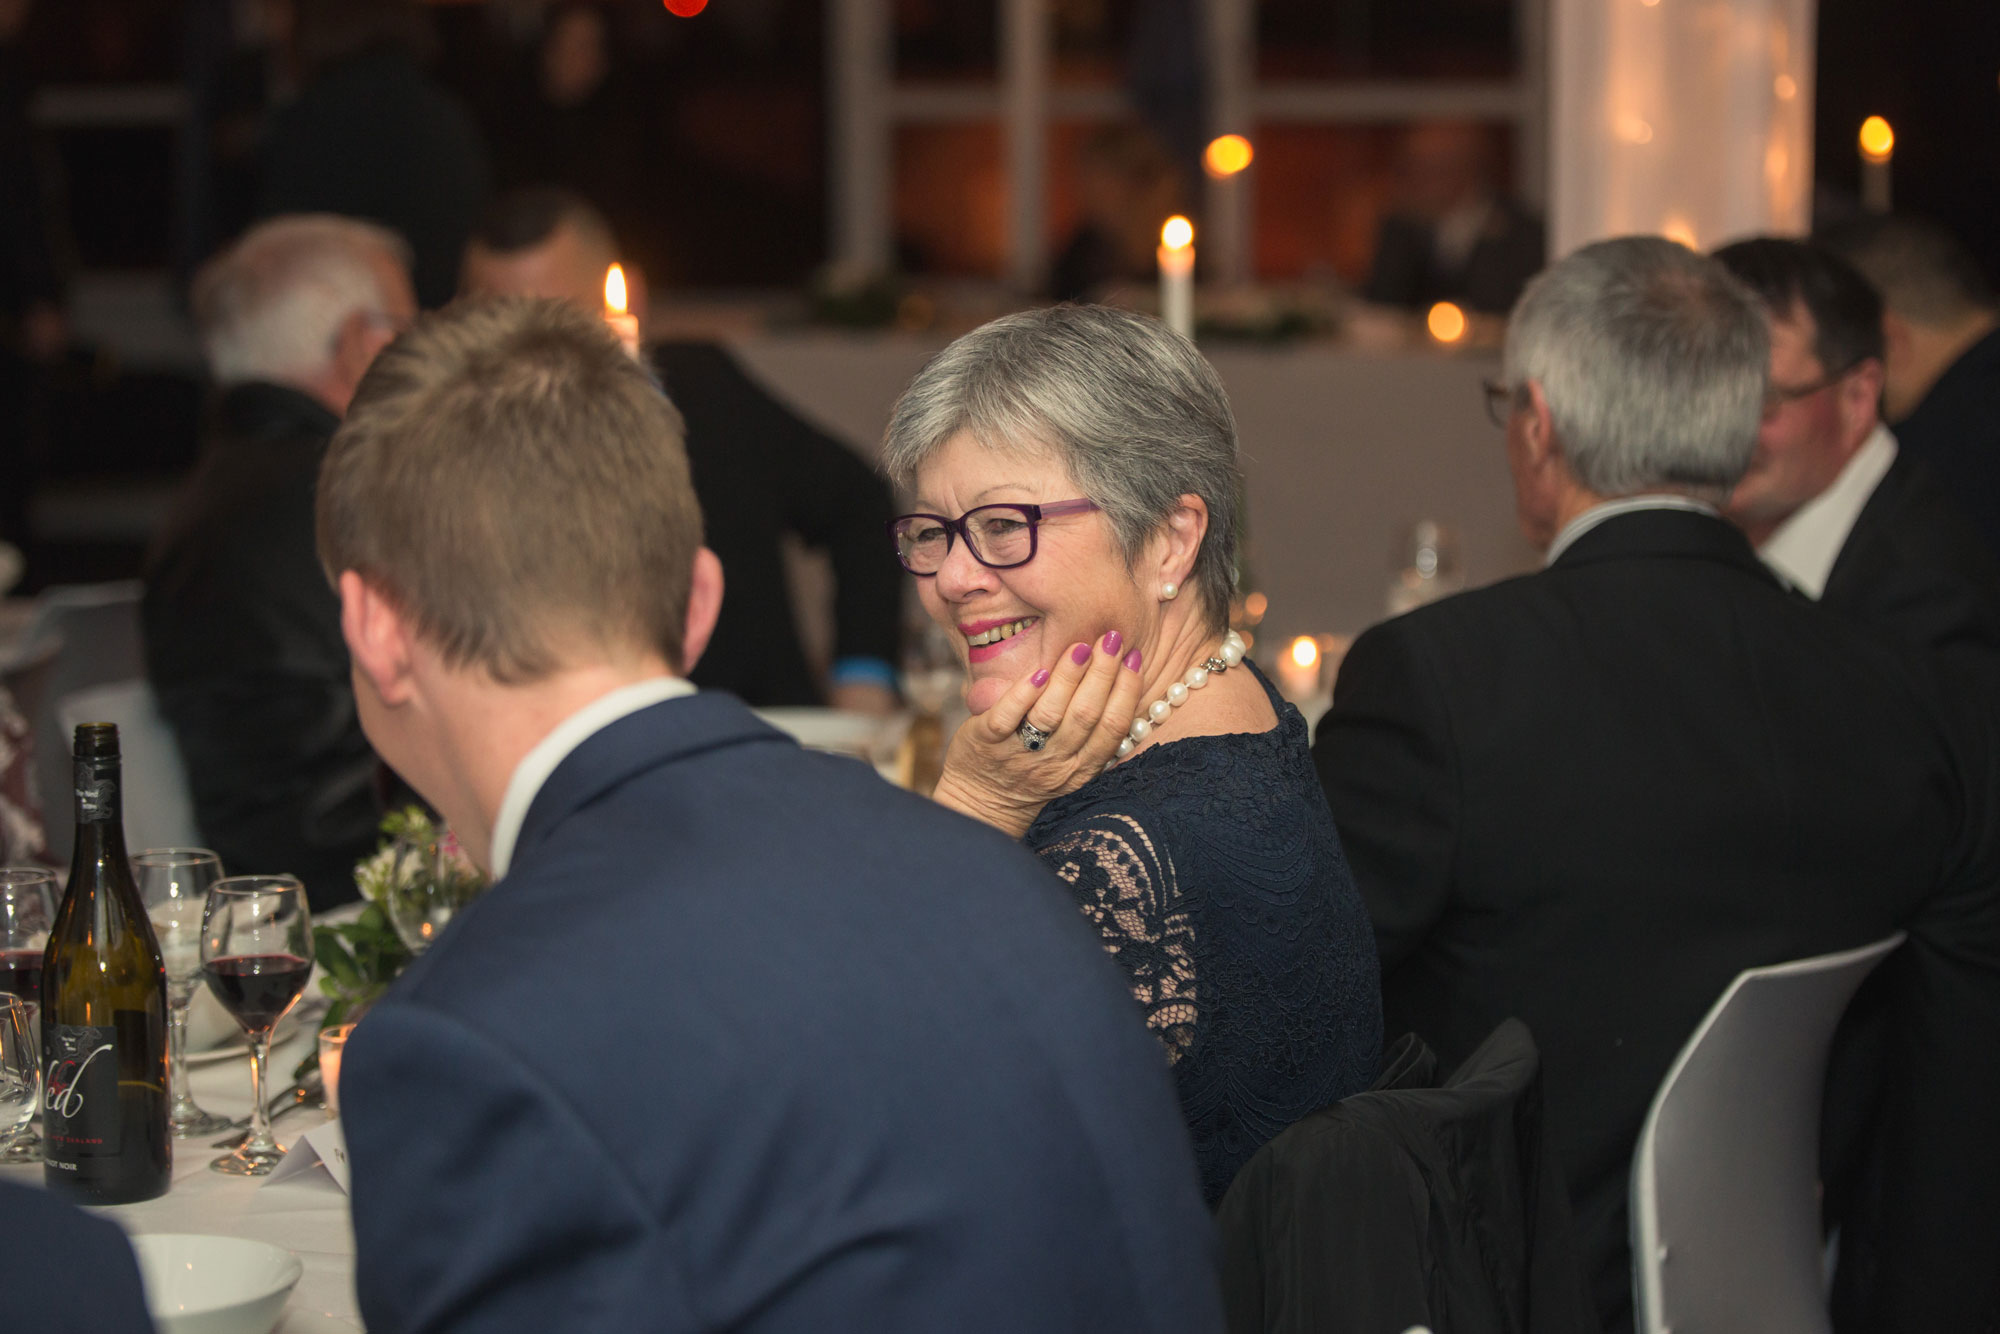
(1590, 796)
(243, 643)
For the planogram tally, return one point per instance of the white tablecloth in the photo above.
(309, 1218)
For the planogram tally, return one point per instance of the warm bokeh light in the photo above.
(686, 9)
(1227, 154)
(1786, 87)
(1304, 651)
(1680, 229)
(1634, 130)
(1177, 234)
(1878, 141)
(615, 298)
(1255, 606)
(1446, 322)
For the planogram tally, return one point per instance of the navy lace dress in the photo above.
(1211, 867)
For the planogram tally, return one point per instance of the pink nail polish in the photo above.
(1112, 641)
(1041, 678)
(1132, 661)
(1080, 654)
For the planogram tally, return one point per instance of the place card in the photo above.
(324, 1145)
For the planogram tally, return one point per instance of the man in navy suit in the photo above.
(741, 1037)
(63, 1271)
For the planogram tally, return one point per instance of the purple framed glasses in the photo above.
(998, 536)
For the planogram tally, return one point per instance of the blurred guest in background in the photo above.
(1589, 797)
(760, 471)
(577, 125)
(1830, 502)
(1079, 470)
(243, 642)
(1452, 235)
(1941, 330)
(33, 328)
(1126, 186)
(741, 1038)
(374, 136)
(23, 837)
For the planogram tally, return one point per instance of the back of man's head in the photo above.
(1654, 362)
(542, 240)
(513, 482)
(271, 306)
(1799, 277)
(1921, 270)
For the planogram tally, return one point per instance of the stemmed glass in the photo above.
(174, 884)
(20, 1069)
(27, 910)
(256, 954)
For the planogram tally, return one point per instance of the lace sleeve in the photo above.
(1126, 888)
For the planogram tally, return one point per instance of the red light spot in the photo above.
(686, 9)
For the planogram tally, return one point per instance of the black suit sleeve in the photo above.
(1384, 753)
(832, 500)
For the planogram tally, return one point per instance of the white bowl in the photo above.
(214, 1285)
(209, 1025)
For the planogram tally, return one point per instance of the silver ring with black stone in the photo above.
(1032, 737)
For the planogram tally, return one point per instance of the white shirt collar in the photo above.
(536, 766)
(1804, 547)
(1611, 509)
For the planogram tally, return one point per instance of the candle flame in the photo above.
(1446, 322)
(1177, 234)
(1304, 651)
(1678, 228)
(1878, 141)
(614, 289)
(1227, 154)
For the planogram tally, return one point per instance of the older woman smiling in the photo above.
(1076, 488)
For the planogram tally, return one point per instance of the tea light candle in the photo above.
(332, 1043)
(617, 312)
(1176, 257)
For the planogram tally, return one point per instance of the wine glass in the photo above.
(256, 954)
(20, 1071)
(174, 883)
(27, 909)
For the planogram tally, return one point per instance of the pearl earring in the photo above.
(1169, 591)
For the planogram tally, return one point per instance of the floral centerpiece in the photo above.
(414, 884)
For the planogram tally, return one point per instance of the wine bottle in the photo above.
(104, 1009)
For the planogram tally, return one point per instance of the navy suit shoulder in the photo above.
(1955, 430)
(747, 1038)
(63, 1271)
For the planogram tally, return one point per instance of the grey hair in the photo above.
(270, 307)
(1135, 414)
(1654, 360)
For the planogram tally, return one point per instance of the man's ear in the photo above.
(1538, 432)
(704, 605)
(378, 637)
(1861, 398)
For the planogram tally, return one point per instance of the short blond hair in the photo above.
(518, 486)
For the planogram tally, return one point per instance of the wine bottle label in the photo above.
(80, 1092)
(96, 790)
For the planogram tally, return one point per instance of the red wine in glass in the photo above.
(257, 988)
(21, 975)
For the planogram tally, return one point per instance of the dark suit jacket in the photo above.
(760, 473)
(1914, 567)
(1956, 432)
(1589, 797)
(1406, 270)
(244, 650)
(64, 1271)
(747, 1039)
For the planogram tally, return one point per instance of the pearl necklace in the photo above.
(1161, 709)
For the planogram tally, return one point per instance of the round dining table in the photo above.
(306, 1214)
